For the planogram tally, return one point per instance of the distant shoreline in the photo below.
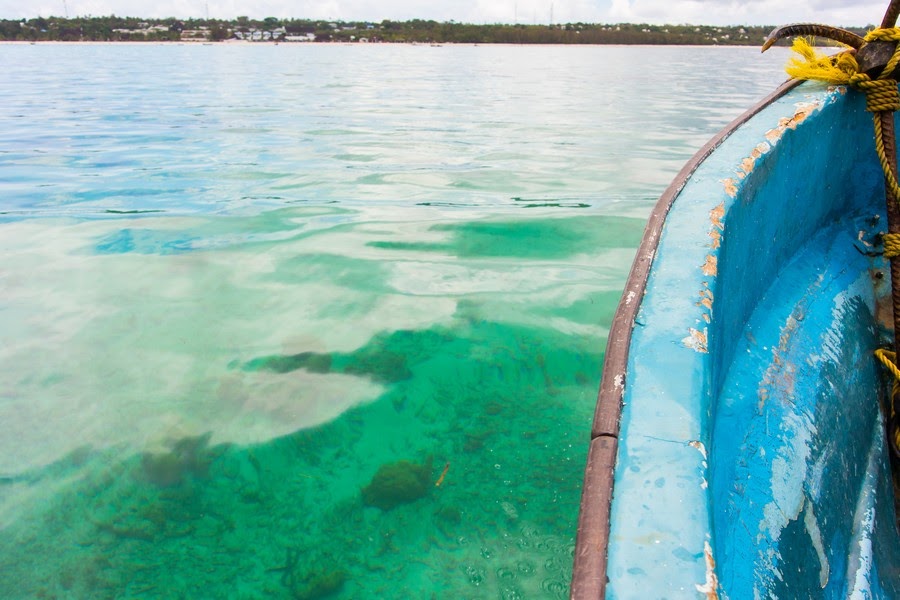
(239, 43)
(272, 30)
(243, 30)
(242, 43)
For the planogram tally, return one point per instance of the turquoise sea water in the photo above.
(258, 301)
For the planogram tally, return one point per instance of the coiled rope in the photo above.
(889, 360)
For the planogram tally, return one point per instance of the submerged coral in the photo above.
(398, 483)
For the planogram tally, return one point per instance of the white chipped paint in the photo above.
(789, 471)
(862, 587)
(619, 382)
(815, 534)
(833, 341)
(710, 586)
(816, 473)
(699, 446)
(703, 465)
(629, 298)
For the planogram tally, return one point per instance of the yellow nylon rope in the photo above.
(836, 70)
(891, 244)
(883, 159)
(889, 360)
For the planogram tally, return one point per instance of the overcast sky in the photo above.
(709, 12)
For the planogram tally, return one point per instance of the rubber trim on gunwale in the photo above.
(592, 538)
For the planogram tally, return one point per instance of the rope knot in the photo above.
(884, 34)
(881, 94)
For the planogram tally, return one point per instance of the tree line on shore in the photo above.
(113, 28)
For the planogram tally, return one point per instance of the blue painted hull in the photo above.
(741, 428)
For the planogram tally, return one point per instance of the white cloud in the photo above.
(734, 12)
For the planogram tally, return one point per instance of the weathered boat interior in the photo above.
(740, 425)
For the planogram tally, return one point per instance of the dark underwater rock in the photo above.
(398, 483)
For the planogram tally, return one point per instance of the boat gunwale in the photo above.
(589, 576)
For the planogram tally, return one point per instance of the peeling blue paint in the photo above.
(755, 346)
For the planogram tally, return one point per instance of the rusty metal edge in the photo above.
(589, 570)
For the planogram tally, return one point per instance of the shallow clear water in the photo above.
(259, 301)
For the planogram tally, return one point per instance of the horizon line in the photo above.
(376, 22)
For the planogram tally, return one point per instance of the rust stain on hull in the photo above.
(709, 268)
(884, 308)
(804, 109)
(696, 340)
(801, 112)
(711, 586)
(717, 227)
(745, 167)
(748, 164)
(706, 299)
(780, 376)
(730, 187)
